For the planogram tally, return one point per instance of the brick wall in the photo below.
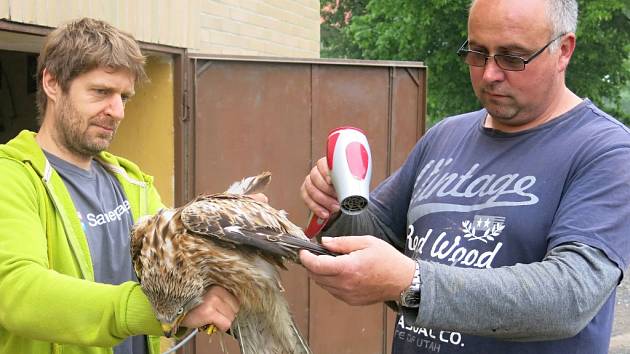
(284, 28)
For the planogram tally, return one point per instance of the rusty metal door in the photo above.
(249, 115)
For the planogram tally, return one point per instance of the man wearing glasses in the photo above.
(506, 229)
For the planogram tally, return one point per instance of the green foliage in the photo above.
(427, 31)
(600, 68)
(432, 31)
(335, 40)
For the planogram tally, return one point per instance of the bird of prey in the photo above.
(226, 239)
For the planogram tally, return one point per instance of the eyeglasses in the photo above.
(504, 61)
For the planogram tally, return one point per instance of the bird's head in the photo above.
(170, 278)
(172, 297)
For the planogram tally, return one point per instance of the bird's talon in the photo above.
(209, 329)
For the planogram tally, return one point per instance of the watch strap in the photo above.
(410, 297)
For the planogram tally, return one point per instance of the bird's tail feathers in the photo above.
(302, 345)
(258, 344)
(272, 333)
(250, 185)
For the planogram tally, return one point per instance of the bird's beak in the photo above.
(167, 328)
(170, 329)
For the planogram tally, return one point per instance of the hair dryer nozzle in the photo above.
(354, 204)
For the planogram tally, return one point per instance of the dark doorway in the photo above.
(17, 93)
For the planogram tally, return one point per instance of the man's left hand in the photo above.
(369, 270)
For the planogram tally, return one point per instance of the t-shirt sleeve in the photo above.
(595, 208)
(389, 202)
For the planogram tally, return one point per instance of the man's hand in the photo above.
(219, 308)
(318, 192)
(259, 197)
(369, 271)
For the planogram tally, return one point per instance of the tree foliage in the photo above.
(600, 67)
(336, 41)
(432, 31)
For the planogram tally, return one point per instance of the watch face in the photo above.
(410, 298)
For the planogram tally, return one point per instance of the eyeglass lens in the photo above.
(506, 62)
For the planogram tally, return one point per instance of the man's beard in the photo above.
(501, 113)
(73, 130)
(504, 110)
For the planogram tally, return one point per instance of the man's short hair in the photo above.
(83, 45)
(562, 16)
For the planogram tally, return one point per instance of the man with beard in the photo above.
(67, 206)
(506, 229)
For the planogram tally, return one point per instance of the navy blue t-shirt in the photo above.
(474, 197)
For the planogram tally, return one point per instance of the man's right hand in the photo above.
(318, 192)
(219, 308)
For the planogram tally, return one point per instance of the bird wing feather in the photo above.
(243, 221)
(136, 240)
(250, 185)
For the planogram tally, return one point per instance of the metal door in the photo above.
(247, 115)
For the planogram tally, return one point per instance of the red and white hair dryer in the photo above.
(350, 164)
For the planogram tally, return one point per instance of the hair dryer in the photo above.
(350, 163)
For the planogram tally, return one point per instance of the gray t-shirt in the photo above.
(106, 218)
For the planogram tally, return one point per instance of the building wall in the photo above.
(169, 22)
(286, 28)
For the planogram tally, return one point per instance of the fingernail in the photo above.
(326, 239)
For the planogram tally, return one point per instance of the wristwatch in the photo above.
(410, 297)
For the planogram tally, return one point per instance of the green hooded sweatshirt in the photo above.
(49, 302)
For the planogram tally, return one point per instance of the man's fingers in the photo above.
(322, 167)
(318, 192)
(219, 321)
(223, 300)
(321, 203)
(329, 265)
(305, 192)
(223, 323)
(317, 181)
(348, 244)
(219, 308)
(357, 276)
(260, 197)
(321, 176)
(321, 265)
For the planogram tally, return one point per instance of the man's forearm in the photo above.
(551, 299)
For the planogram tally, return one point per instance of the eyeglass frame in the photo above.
(463, 53)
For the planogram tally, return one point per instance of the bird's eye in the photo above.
(180, 311)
